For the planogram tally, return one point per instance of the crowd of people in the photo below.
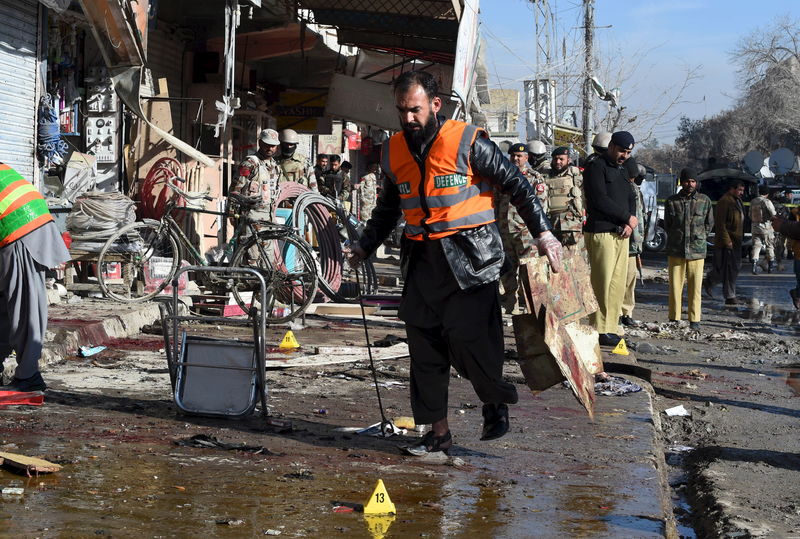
(277, 160)
(471, 214)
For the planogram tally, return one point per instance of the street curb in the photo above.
(659, 461)
(65, 337)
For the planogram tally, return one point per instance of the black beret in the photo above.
(561, 150)
(623, 139)
(517, 147)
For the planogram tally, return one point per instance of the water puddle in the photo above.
(781, 321)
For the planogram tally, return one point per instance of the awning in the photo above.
(266, 44)
(425, 29)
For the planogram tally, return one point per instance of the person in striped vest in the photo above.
(29, 244)
(440, 175)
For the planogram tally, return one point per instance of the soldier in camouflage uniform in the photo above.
(565, 198)
(293, 164)
(517, 240)
(367, 192)
(259, 175)
(537, 156)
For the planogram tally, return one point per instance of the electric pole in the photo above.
(588, 25)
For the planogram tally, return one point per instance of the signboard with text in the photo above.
(299, 111)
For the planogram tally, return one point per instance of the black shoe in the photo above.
(495, 421)
(708, 289)
(755, 268)
(609, 339)
(626, 320)
(733, 301)
(430, 443)
(695, 326)
(34, 383)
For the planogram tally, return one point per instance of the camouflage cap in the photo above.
(269, 136)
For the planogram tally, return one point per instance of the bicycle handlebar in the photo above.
(180, 192)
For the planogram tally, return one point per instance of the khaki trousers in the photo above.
(680, 270)
(608, 258)
(629, 301)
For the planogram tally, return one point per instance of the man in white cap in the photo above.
(259, 175)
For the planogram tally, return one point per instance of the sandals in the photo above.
(430, 443)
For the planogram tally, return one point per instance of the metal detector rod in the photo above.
(384, 421)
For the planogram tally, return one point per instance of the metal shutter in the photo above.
(18, 38)
(165, 60)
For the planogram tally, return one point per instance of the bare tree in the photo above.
(769, 69)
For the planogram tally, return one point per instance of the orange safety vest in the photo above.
(22, 208)
(441, 195)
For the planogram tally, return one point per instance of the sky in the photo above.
(657, 42)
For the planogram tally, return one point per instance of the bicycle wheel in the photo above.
(138, 262)
(290, 272)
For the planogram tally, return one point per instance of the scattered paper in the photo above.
(678, 411)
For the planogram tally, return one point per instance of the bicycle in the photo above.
(141, 259)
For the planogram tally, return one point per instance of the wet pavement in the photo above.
(556, 474)
(110, 421)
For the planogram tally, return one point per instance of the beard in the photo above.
(419, 136)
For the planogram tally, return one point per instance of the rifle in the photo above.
(639, 269)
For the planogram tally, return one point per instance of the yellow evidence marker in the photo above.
(379, 503)
(289, 342)
(621, 348)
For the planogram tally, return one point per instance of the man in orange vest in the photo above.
(440, 175)
(29, 244)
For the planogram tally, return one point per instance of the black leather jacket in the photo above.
(475, 255)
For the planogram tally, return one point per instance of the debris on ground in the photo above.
(404, 422)
(229, 521)
(730, 335)
(27, 465)
(614, 386)
(389, 429)
(646, 348)
(13, 491)
(389, 340)
(87, 351)
(302, 474)
(212, 442)
(697, 374)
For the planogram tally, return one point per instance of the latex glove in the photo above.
(550, 247)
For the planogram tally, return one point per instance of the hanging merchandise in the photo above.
(51, 147)
(353, 139)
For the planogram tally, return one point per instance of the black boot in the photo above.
(34, 383)
(495, 421)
